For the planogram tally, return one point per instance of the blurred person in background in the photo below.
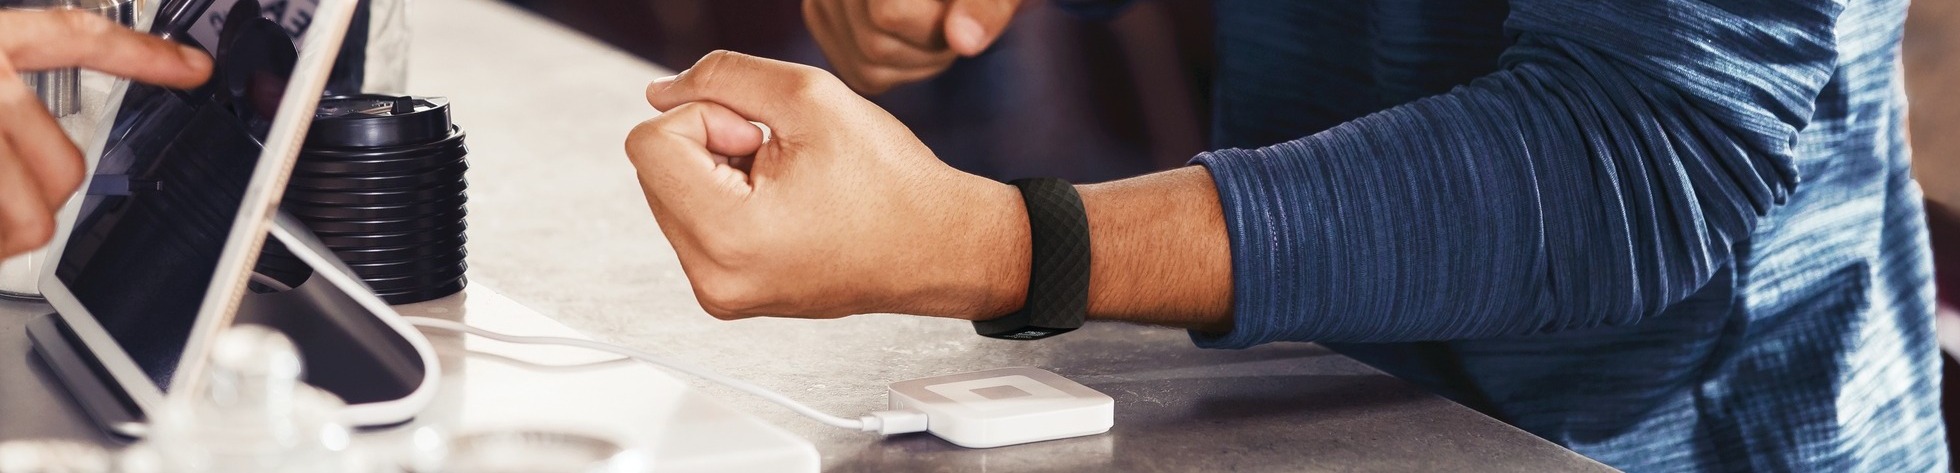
(1670, 235)
(1932, 72)
(1932, 65)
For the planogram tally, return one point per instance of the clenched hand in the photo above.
(878, 44)
(840, 211)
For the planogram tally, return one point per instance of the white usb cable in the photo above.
(882, 422)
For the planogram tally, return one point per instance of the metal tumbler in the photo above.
(60, 89)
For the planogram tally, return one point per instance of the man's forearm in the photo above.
(1160, 254)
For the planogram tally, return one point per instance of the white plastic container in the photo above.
(19, 275)
(387, 48)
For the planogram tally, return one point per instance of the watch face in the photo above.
(1032, 334)
(1026, 325)
(1019, 333)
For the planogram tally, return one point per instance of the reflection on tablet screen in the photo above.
(173, 175)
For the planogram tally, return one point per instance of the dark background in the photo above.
(1095, 101)
(1056, 96)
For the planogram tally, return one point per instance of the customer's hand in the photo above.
(839, 211)
(39, 166)
(878, 44)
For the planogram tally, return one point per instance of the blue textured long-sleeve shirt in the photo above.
(1668, 234)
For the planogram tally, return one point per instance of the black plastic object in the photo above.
(381, 183)
(1058, 286)
(379, 121)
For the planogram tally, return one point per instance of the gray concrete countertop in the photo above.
(558, 224)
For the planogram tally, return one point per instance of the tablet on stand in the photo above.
(160, 252)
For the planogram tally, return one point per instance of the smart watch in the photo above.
(1058, 283)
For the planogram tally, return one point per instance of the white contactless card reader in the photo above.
(1006, 406)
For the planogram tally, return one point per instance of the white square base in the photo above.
(1007, 406)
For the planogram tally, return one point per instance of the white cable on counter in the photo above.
(883, 422)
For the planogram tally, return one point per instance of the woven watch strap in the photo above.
(1058, 283)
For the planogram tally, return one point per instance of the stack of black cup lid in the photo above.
(380, 181)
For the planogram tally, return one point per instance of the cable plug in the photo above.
(894, 422)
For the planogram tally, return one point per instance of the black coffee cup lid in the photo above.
(374, 121)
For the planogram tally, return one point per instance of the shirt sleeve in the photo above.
(1607, 170)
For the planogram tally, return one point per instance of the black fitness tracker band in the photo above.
(1058, 283)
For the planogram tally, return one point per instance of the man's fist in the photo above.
(838, 211)
(878, 44)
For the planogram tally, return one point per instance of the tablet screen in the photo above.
(173, 175)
